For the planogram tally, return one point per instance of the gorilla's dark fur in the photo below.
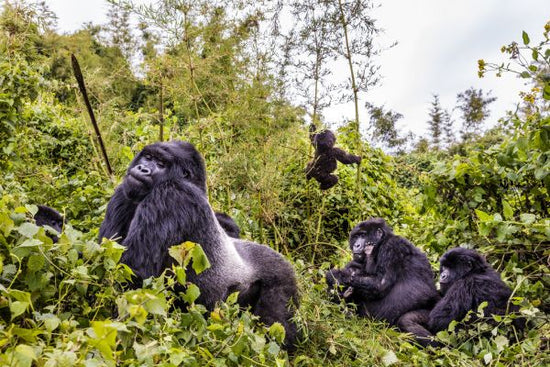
(162, 202)
(228, 225)
(388, 276)
(46, 216)
(466, 281)
(326, 155)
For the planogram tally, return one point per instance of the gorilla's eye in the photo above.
(161, 163)
(148, 156)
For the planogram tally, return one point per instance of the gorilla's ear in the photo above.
(379, 234)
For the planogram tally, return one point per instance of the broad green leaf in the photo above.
(24, 355)
(483, 217)
(157, 305)
(277, 332)
(180, 253)
(389, 358)
(527, 218)
(17, 308)
(6, 224)
(525, 38)
(28, 229)
(273, 348)
(191, 294)
(200, 261)
(51, 323)
(501, 342)
(35, 263)
(507, 209)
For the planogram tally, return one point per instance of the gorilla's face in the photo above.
(160, 162)
(365, 238)
(458, 263)
(324, 140)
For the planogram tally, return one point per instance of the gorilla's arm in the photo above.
(344, 157)
(453, 306)
(118, 217)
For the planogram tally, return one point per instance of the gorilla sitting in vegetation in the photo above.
(46, 216)
(228, 224)
(326, 155)
(387, 277)
(466, 281)
(163, 202)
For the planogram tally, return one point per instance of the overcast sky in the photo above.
(439, 43)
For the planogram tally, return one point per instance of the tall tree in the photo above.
(119, 30)
(384, 130)
(439, 124)
(474, 106)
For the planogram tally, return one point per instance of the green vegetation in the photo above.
(214, 83)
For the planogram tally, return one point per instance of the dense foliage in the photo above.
(65, 303)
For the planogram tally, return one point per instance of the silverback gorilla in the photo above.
(466, 280)
(162, 202)
(326, 155)
(387, 277)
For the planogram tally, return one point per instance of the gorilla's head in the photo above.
(457, 263)
(324, 140)
(367, 236)
(160, 162)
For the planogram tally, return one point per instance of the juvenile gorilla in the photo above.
(466, 281)
(324, 161)
(387, 277)
(162, 202)
(46, 216)
(228, 224)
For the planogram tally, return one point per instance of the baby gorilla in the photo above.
(387, 277)
(46, 216)
(324, 161)
(466, 281)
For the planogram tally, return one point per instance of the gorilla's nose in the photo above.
(143, 169)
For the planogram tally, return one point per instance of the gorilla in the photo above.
(387, 277)
(326, 155)
(228, 224)
(46, 216)
(466, 280)
(163, 202)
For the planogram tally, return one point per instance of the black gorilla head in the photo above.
(365, 237)
(458, 263)
(324, 140)
(161, 162)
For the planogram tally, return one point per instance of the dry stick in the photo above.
(161, 112)
(82, 87)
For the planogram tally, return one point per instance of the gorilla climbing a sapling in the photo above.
(46, 216)
(466, 281)
(326, 155)
(228, 224)
(163, 202)
(387, 277)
